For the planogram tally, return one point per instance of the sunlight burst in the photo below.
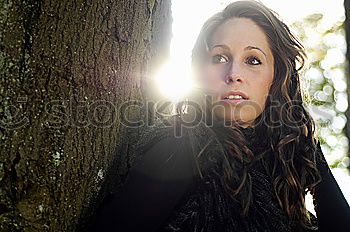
(174, 80)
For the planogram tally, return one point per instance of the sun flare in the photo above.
(174, 81)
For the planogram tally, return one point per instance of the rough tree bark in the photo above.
(347, 71)
(66, 69)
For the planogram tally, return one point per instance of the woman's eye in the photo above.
(217, 59)
(253, 60)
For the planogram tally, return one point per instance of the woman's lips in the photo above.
(234, 97)
(233, 101)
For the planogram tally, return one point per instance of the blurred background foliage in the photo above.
(325, 80)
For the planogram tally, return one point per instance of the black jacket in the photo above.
(162, 194)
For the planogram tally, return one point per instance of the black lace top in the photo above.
(162, 194)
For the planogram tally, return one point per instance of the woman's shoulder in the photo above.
(176, 129)
(161, 155)
(163, 129)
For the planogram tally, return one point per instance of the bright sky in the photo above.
(188, 17)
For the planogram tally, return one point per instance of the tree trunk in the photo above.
(68, 72)
(347, 71)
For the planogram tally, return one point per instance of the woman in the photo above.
(246, 155)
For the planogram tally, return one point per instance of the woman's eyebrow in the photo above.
(257, 48)
(223, 46)
(220, 46)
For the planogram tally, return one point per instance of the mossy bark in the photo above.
(67, 67)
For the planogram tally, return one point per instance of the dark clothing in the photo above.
(162, 193)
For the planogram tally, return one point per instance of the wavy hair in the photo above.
(284, 120)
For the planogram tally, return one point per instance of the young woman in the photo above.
(241, 154)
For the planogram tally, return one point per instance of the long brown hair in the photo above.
(288, 126)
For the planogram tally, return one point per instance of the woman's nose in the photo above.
(233, 75)
(232, 78)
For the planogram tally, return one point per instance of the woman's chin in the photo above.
(242, 118)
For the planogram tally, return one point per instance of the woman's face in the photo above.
(239, 70)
